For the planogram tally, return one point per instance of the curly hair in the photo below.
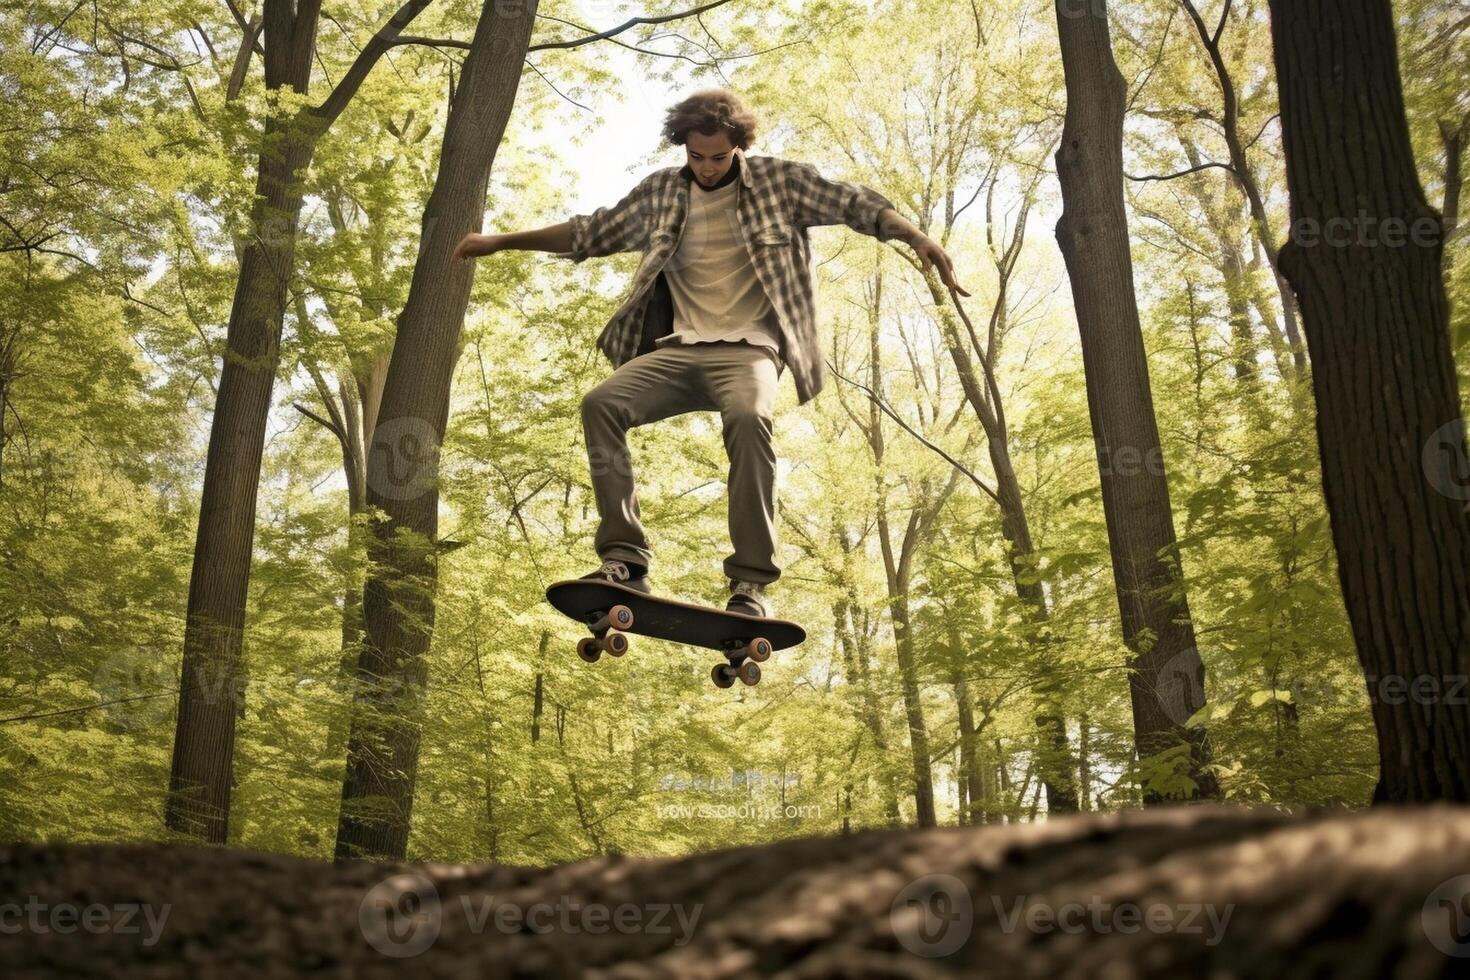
(708, 111)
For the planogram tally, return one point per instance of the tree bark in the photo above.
(1166, 683)
(1389, 428)
(403, 464)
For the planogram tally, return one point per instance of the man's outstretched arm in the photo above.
(820, 201)
(620, 228)
(552, 238)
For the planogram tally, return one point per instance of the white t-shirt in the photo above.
(716, 293)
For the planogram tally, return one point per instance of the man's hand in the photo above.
(931, 254)
(473, 245)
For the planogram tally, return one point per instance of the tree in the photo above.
(204, 738)
(1365, 259)
(402, 469)
(898, 565)
(1240, 167)
(1167, 680)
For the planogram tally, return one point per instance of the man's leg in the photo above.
(650, 387)
(742, 380)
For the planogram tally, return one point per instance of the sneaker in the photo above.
(622, 573)
(749, 598)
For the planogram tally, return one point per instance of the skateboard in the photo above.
(612, 611)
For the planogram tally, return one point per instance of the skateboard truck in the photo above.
(743, 657)
(606, 635)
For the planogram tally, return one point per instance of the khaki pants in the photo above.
(732, 377)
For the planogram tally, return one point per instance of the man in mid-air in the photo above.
(720, 306)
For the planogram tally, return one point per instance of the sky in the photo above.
(623, 123)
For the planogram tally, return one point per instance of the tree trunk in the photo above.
(1208, 891)
(984, 398)
(1245, 177)
(353, 413)
(898, 569)
(971, 788)
(9, 337)
(1021, 551)
(1453, 138)
(398, 601)
(211, 691)
(903, 642)
(860, 702)
(1365, 260)
(871, 712)
(1084, 767)
(1237, 274)
(1167, 681)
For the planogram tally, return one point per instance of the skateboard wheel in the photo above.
(620, 617)
(758, 650)
(615, 643)
(749, 672)
(722, 675)
(588, 650)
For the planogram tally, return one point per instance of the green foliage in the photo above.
(124, 183)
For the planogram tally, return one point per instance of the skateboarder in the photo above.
(721, 305)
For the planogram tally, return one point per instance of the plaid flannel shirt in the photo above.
(777, 201)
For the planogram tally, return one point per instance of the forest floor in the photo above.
(1207, 891)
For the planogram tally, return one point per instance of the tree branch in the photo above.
(1220, 28)
(329, 110)
(251, 32)
(1185, 173)
(610, 32)
(882, 405)
(318, 419)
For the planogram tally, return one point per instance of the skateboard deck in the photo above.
(611, 611)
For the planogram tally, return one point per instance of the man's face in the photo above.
(709, 156)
